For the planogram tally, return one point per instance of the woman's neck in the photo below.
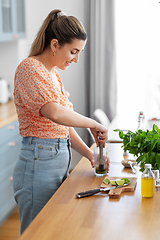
(46, 59)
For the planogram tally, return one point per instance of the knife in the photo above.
(94, 191)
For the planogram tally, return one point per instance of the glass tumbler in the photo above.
(100, 161)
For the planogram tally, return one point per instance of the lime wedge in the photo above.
(120, 182)
(126, 180)
(106, 181)
(113, 182)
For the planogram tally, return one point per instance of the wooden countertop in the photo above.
(7, 113)
(97, 217)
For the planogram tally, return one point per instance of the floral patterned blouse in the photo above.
(33, 88)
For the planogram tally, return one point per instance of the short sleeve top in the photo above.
(33, 88)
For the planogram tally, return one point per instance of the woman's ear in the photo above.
(54, 45)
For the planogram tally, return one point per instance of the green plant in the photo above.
(143, 144)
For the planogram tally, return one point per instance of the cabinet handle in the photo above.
(15, 36)
(11, 179)
(11, 127)
(12, 144)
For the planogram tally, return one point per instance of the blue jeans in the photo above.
(42, 166)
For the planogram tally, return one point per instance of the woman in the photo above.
(46, 116)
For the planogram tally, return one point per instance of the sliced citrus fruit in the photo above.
(120, 182)
(126, 180)
(106, 180)
(113, 182)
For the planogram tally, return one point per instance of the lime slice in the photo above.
(113, 182)
(120, 182)
(126, 180)
(106, 181)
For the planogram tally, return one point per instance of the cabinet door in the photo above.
(12, 19)
(18, 18)
(10, 144)
(7, 202)
(8, 132)
(6, 24)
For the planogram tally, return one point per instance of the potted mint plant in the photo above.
(145, 145)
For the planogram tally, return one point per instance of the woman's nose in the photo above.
(76, 58)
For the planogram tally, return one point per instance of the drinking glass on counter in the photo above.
(100, 160)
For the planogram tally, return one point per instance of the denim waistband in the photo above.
(32, 140)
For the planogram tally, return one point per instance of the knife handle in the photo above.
(87, 193)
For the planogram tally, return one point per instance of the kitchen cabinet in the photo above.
(10, 143)
(12, 20)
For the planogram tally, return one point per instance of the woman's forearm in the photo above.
(65, 116)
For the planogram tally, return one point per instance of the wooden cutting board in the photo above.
(115, 193)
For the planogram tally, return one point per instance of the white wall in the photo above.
(11, 53)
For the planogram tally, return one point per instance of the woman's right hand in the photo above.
(100, 134)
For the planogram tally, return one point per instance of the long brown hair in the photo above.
(57, 26)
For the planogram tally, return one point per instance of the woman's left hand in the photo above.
(93, 165)
(108, 164)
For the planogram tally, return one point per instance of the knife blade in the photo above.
(94, 191)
